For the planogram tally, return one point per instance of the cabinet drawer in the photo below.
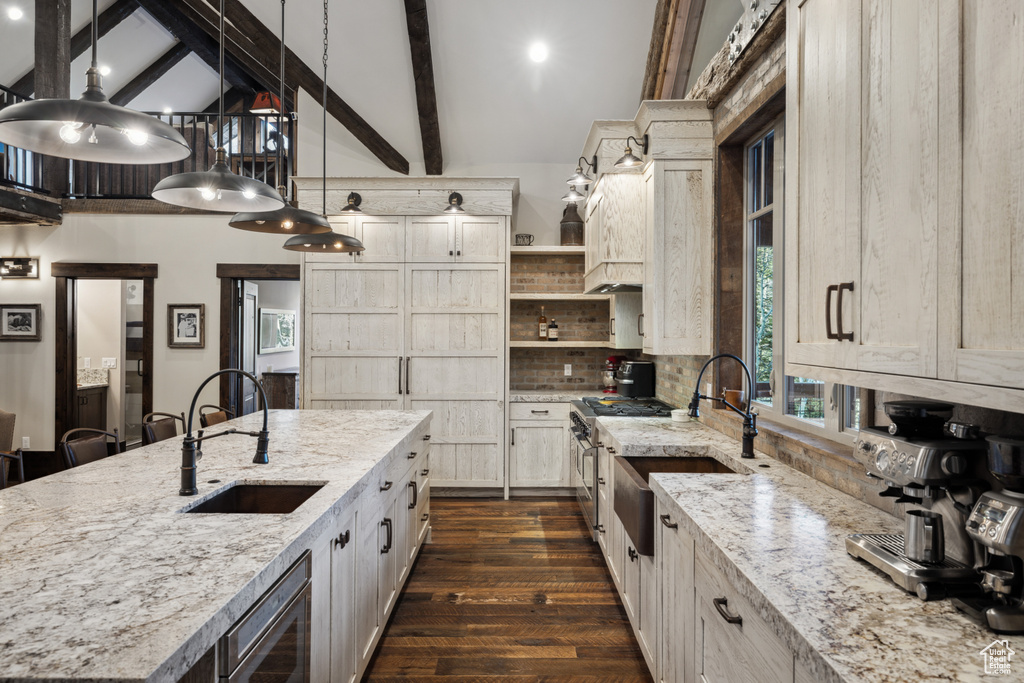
(725, 652)
(539, 411)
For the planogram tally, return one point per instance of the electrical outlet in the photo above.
(26, 442)
(86, 362)
(568, 369)
(110, 363)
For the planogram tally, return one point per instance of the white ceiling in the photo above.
(495, 105)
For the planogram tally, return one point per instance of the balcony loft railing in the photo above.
(251, 141)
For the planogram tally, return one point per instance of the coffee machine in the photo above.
(996, 525)
(931, 472)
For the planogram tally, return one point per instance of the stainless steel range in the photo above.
(585, 442)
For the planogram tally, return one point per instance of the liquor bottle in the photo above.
(542, 325)
(553, 331)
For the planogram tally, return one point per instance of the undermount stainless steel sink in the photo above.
(257, 499)
(633, 498)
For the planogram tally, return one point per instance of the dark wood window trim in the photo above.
(65, 375)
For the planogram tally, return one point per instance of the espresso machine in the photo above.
(996, 525)
(929, 469)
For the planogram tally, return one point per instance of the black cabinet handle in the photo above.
(427, 437)
(842, 336)
(408, 371)
(387, 544)
(633, 555)
(611, 450)
(611, 323)
(829, 334)
(599, 527)
(412, 455)
(425, 517)
(640, 324)
(399, 375)
(425, 472)
(720, 605)
(670, 525)
(513, 436)
(450, 253)
(386, 486)
(539, 412)
(600, 480)
(342, 540)
(415, 495)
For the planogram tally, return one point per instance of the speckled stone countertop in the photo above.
(547, 396)
(90, 378)
(102, 579)
(779, 536)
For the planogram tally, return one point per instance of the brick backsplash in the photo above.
(546, 274)
(539, 369)
(577, 320)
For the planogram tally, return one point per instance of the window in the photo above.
(808, 404)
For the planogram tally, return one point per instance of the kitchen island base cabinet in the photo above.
(733, 643)
(673, 556)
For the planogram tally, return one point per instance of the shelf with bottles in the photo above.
(578, 321)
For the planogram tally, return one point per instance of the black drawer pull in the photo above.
(427, 437)
(670, 525)
(342, 540)
(415, 495)
(600, 480)
(386, 486)
(539, 412)
(425, 517)
(842, 336)
(412, 455)
(611, 450)
(387, 544)
(720, 605)
(633, 555)
(424, 472)
(600, 527)
(829, 334)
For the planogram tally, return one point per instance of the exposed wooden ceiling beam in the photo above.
(150, 74)
(663, 15)
(200, 42)
(257, 48)
(82, 41)
(681, 44)
(423, 77)
(232, 98)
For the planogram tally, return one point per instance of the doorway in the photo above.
(134, 354)
(235, 329)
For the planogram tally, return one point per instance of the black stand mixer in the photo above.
(996, 525)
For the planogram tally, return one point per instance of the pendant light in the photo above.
(287, 220)
(91, 128)
(218, 189)
(329, 241)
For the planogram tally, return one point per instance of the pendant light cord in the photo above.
(324, 190)
(280, 113)
(220, 109)
(95, 32)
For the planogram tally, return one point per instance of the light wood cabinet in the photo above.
(539, 445)
(344, 664)
(673, 558)
(679, 279)
(625, 321)
(733, 643)
(456, 239)
(615, 231)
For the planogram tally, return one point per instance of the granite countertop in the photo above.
(102, 579)
(91, 378)
(92, 385)
(779, 536)
(545, 396)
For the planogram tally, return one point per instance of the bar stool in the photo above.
(160, 426)
(86, 449)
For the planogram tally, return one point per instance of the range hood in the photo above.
(615, 288)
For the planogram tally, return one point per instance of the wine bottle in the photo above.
(542, 330)
(553, 331)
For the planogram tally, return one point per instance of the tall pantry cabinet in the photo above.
(420, 323)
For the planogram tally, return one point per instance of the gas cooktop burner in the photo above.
(628, 407)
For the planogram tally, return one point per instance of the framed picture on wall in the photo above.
(20, 322)
(277, 330)
(186, 326)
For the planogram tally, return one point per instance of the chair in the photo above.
(215, 416)
(86, 449)
(7, 456)
(160, 426)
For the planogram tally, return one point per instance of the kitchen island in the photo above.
(773, 541)
(103, 578)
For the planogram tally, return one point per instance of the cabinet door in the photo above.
(539, 454)
(673, 552)
(678, 271)
(625, 324)
(630, 592)
(648, 624)
(431, 239)
(615, 547)
(983, 341)
(383, 237)
(731, 652)
(367, 591)
(355, 323)
(344, 661)
(390, 552)
(592, 229)
(456, 367)
(823, 128)
(480, 239)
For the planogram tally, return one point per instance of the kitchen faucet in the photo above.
(749, 419)
(190, 452)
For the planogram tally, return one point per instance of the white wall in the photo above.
(186, 250)
(100, 333)
(286, 295)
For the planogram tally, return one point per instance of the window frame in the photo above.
(836, 406)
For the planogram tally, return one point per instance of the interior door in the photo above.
(247, 352)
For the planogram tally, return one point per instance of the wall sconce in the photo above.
(573, 195)
(16, 268)
(629, 160)
(454, 203)
(354, 200)
(581, 178)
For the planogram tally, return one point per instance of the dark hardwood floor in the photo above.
(508, 591)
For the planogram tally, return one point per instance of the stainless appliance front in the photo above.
(271, 642)
(584, 462)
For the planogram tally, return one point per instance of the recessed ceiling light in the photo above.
(104, 70)
(538, 52)
(15, 13)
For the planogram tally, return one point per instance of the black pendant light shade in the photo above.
(287, 220)
(329, 242)
(217, 189)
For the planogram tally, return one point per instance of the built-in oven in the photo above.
(271, 641)
(584, 465)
